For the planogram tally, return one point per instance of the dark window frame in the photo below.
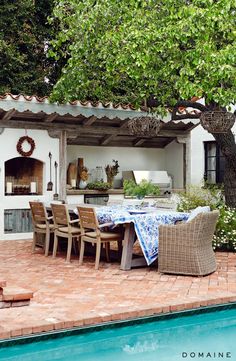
(219, 162)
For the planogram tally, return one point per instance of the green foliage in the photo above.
(131, 50)
(144, 188)
(24, 37)
(225, 234)
(196, 196)
(100, 186)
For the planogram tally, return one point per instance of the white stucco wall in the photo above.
(174, 163)
(128, 158)
(44, 144)
(198, 137)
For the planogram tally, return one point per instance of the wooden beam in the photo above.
(62, 165)
(90, 121)
(56, 134)
(139, 142)
(8, 115)
(106, 139)
(83, 130)
(50, 118)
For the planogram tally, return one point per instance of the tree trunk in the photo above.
(227, 146)
(225, 141)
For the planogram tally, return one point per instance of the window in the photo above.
(214, 163)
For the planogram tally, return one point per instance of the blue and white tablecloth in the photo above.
(145, 224)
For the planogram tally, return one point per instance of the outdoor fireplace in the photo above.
(23, 176)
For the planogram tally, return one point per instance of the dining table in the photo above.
(140, 223)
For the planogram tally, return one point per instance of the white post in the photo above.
(186, 141)
(62, 165)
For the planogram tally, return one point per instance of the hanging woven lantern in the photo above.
(217, 121)
(145, 126)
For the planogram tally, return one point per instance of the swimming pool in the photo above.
(202, 336)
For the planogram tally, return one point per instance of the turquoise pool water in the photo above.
(206, 336)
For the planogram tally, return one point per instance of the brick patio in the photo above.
(66, 295)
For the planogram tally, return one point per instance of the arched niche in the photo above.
(23, 175)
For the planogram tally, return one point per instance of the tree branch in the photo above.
(187, 104)
(185, 116)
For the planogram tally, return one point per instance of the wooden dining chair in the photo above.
(64, 227)
(41, 224)
(92, 232)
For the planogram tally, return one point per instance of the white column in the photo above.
(62, 165)
(186, 141)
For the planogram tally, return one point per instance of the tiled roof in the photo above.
(35, 104)
(95, 104)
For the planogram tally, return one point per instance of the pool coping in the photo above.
(53, 334)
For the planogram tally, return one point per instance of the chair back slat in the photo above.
(88, 218)
(39, 214)
(60, 214)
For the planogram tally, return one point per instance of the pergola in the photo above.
(88, 123)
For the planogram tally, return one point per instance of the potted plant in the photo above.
(99, 186)
(144, 188)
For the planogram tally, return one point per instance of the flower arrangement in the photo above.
(144, 188)
(112, 171)
(84, 174)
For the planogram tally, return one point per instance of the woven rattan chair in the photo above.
(64, 227)
(41, 224)
(91, 232)
(186, 248)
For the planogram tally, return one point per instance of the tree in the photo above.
(163, 51)
(25, 33)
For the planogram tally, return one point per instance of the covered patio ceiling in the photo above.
(87, 123)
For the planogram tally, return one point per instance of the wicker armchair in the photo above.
(186, 248)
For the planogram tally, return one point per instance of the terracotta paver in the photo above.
(69, 295)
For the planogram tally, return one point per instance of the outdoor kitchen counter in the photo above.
(115, 196)
(109, 191)
(72, 192)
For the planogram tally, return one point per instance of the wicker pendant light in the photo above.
(217, 121)
(145, 126)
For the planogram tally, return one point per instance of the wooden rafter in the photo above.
(105, 140)
(124, 124)
(90, 121)
(139, 142)
(7, 116)
(50, 118)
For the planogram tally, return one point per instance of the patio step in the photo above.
(14, 296)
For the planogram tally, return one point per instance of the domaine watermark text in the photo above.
(206, 355)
